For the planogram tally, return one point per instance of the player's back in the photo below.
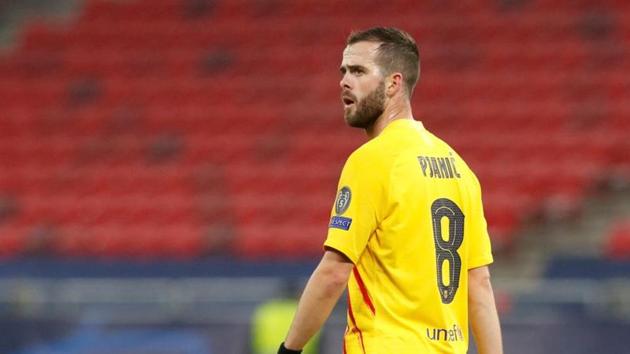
(409, 290)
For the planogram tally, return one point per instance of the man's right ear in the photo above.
(395, 83)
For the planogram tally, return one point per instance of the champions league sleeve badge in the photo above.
(343, 200)
(341, 205)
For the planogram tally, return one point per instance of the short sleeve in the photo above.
(480, 249)
(355, 214)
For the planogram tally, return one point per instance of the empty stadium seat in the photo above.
(120, 129)
(617, 246)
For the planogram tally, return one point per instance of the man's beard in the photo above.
(368, 109)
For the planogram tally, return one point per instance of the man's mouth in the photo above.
(347, 101)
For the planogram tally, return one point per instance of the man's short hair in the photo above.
(398, 52)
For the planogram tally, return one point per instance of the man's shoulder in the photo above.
(372, 151)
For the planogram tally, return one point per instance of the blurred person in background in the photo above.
(407, 233)
(272, 319)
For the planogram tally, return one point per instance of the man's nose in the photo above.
(344, 83)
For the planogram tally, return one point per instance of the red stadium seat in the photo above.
(121, 128)
(618, 241)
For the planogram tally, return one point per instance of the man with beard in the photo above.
(407, 233)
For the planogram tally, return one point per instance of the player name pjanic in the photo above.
(438, 167)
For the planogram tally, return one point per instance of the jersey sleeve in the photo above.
(480, 250)
(355, 215)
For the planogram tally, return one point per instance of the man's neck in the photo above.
(394, 111)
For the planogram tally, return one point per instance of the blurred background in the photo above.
(167, 167)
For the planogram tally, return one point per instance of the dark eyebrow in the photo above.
(343, 69)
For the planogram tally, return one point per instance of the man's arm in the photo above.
(482, 312)
(321, 293)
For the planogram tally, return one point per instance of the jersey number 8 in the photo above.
(446, 250)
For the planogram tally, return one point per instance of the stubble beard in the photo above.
(368, 109)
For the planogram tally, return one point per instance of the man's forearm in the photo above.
(484, 318)
(319, 298)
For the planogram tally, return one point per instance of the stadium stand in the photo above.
(182, 128)
(618, 241)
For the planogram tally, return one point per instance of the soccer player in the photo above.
(407, 234)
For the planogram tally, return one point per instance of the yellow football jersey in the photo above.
(409, 215)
